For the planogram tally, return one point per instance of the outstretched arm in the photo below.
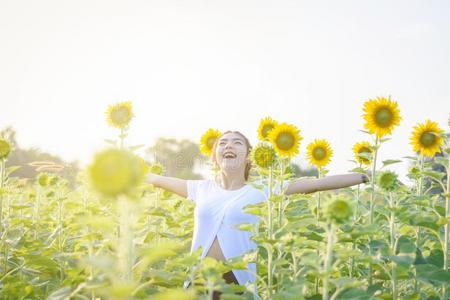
(172, 184)
(306, 186)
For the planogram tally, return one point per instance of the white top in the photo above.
(217, 212)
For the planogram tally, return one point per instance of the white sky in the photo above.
(190, 65)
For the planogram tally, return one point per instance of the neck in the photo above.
(230, 181)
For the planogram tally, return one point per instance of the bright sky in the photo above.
(190, 65)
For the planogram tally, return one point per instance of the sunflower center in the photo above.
(266, 129)
(383, 117)
(319, 153)
(427, 139)
(285, 141)
(120, 115)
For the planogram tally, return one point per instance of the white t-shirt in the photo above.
(217, 212)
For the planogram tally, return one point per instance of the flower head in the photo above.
(285, 139)
(265, 126)
(263, 155)
(338, 210)
(388, 181)
(5, 148)
(426, 138)
(207, 141)
(381, 115)
(319, 153)
(119, 115)
(115, 172)
(363, 151)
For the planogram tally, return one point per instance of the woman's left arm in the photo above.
(306, 186)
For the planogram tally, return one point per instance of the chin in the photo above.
(231, 166)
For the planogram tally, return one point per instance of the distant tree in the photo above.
(179, 157)
(24, 157)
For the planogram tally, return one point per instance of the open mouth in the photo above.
(229, 155)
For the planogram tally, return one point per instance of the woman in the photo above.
(219, 202)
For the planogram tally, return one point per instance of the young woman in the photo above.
(219, 203)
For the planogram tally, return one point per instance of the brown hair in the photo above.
(248, 166)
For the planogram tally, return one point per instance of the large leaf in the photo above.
(429, 273)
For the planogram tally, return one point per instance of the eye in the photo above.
(222, 143)
(238, 142)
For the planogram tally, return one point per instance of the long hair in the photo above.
(248, 166)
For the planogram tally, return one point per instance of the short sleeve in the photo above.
(193, 187)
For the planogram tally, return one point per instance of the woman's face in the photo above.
(231, 152)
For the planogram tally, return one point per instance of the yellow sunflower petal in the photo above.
(381, 116)
(207, 141)
(426, 138)
(319, 153)
(364, 148)
(285, 139)
(265, 126)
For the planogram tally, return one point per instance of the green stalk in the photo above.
(316, 284)
(2, 184)
(372, 201)
(2, 178)
(126, 247)
(393, 244)
(280, 203)
(418, 231)
(355, 218)
(446, 229)
(327, 262)
(270, 233)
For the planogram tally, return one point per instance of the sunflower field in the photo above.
(113, 236)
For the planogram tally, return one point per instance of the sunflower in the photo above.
(263, 155)
(207, 141)
(119, 115)
(5, 148)
(388, 181)
(381, 115)
(319, 153)
(426, 138)
(116, 171)
(362, 150)
(265, 126)
(285, 139)
(339, 210)
(157, 168)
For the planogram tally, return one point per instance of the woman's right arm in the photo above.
(172, 184)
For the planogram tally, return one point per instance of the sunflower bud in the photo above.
(388, 181)
(157, 169)
(264, 155)
(338, 210)
(115, 172)
(42, 179)
(5, 148)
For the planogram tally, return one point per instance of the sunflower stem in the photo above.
(327, 262)
(317, 280)
(446, 228)
(418, 231)
(355, 218)
(269, 207)
(393, 206)
(2, 184)
(372, 202)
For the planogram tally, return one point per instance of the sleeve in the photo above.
(193, 187)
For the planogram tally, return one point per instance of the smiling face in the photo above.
(231, 152)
